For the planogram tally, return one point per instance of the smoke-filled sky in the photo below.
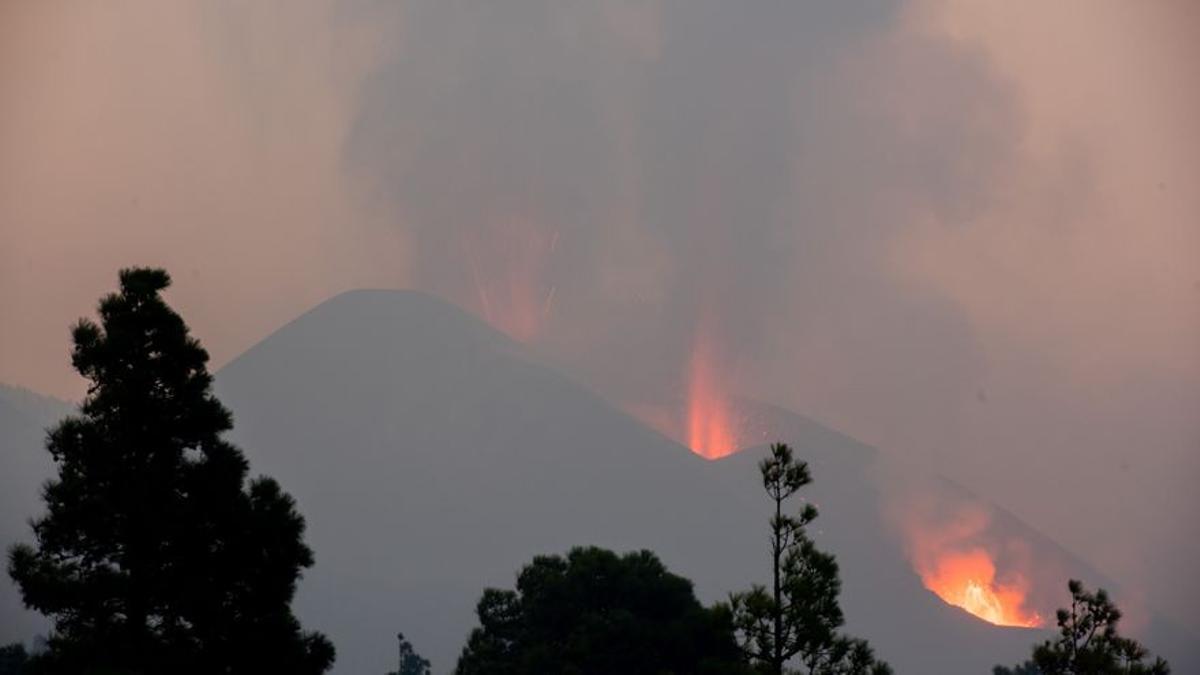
(968, 233)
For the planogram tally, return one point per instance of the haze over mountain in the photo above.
(960, 231)
(434, 456)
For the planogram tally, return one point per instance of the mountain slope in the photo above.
(24, 465)
(433, 458)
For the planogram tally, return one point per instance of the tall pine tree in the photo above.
(155, 554)
(796, 620)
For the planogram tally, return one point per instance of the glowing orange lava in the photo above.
(508, 265)
(710, 428)
(968, 580)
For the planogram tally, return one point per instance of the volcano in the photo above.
(434, 456)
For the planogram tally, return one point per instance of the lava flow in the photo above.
(511, 287)
(965, 558)
(968, 580)
(710, 428)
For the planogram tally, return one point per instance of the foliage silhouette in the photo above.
(1027, 668)
(1088, 643)
(411, 662)
(13, 659)
(798, 617)
(594, 613)
(155, 554)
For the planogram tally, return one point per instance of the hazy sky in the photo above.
(965, 232)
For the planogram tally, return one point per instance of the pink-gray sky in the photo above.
(967, 232)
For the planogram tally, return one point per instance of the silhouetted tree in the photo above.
(411, 663)
(1027, 668)
(598, 613)
(155, 555)
(1088, 643)
(13, 659)
(796, 620)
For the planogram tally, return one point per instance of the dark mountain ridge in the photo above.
(433, 456)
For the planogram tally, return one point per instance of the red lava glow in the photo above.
(707, 421)
(710, 425)
(965, 558)
(968, 580)
(508, 269)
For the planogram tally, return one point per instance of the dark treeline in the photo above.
(157, 553)
(1088, 643)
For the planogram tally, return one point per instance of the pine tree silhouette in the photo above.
(155, 554)
(1088, 642)
(798, 617)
